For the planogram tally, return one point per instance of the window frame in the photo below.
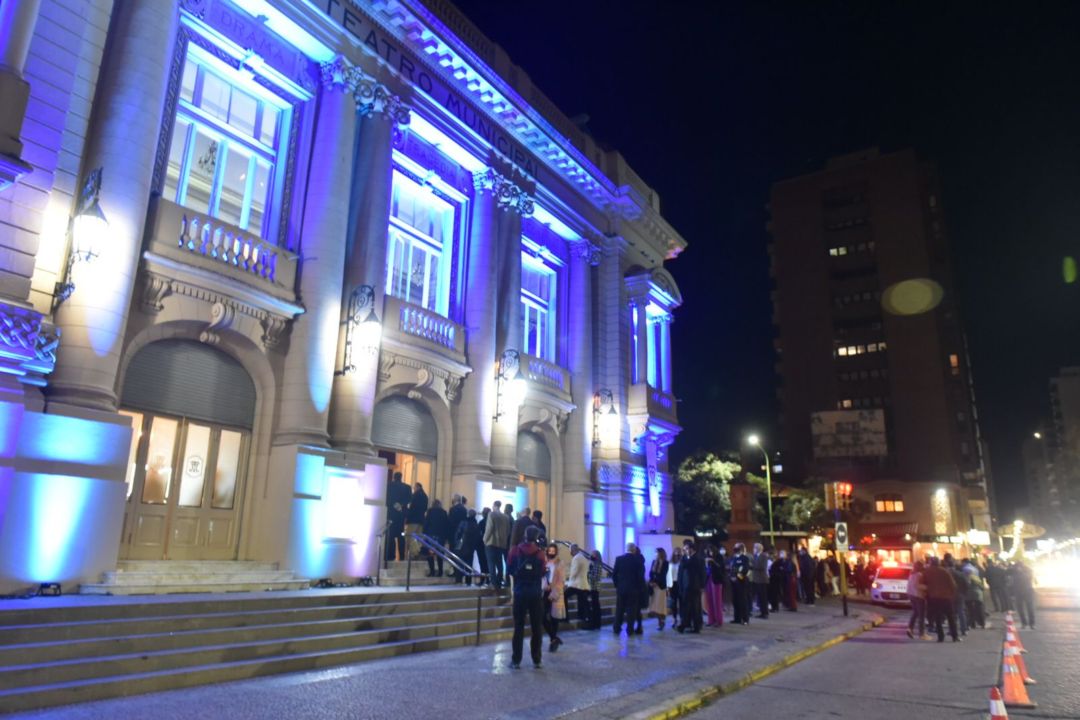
(547, 309)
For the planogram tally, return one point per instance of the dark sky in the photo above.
(711, 102)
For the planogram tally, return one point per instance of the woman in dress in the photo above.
(715, 571)
(658, 587)
(554, 597)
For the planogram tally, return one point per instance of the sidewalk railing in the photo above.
(460, 566)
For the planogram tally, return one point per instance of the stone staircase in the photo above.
(164, 577)
(393, 575)
(56, 651)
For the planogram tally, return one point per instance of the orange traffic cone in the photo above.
(1015, 692)
(1013, 637)
(1018, 659)
(997, 707)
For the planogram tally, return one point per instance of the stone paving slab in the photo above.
(594, 675)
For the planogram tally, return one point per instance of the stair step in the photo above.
(184, 587)
(127, 577)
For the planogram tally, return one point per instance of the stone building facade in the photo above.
(342, 237)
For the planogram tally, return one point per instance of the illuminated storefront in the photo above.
(341, 243)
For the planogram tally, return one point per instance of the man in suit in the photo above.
(496, 538)
(517, 534)
(414, 517)
(629, 578)
(691, 583)
(740, 584)
(759, 577)
(397, 500)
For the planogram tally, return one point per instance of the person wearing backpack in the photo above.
(527, 566)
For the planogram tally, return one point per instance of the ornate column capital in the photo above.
(587, 251)
(508, 195)
(340, 74)
(372, 98)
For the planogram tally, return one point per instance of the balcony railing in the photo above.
(415, 320)
(546, 373)
(199, 239)
(644, 399)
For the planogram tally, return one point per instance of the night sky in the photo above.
(711, 102)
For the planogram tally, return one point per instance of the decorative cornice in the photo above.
(372, 98)
(587, 251)
(508, 194)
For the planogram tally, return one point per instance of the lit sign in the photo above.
(978, 537)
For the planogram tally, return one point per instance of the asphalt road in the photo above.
(883, 675)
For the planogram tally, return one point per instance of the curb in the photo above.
(689, 702)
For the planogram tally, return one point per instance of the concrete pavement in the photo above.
(594, 675)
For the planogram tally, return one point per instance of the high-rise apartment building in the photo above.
(1052, 459)
(875, 382)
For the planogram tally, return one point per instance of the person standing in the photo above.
(538, 521)
(673, 586)
(527, 566)
(860, 577)
(759, 578)
(455, 516)
(577, 584)
(658, 588)
(643, 592)
(397, 502)
(468, 544)
(960, 596)
(916, 592)
(807, 574)
(628, 576)
(776, 582)
(715, 573)
(790, 573)
(496, 537)
(691, 584)
(740, 584)
(554, 595)
(414, 518)
(517, 533)
(481, 553)
(437, 527)
(974, 599)
(940, 591)
(1023, 593)
(995, 578)
(596, 569)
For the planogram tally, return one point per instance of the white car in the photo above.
(890, 585)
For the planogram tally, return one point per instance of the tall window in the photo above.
(538, 283)
(421, 242)
(659, 349)
(226, 146)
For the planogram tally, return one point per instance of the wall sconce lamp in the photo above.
(87, 230)
(605, 416)
(363, 331)
(510, 384)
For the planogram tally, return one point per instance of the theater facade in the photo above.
(341, 239)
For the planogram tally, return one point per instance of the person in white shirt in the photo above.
(916, 590)
(577, 586)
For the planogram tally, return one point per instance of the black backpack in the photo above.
(530, 570)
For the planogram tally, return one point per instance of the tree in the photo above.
(804, 510)
(702, 493)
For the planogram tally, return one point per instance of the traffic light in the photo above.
(830, 496)
(843, 495)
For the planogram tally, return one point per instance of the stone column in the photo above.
(664, 352)
(127, 122)
(309, 366)
(641, 329)
(353, 398)
(472, 427)
(513, 204)
(17, 21)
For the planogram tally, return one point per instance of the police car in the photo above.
(890, 585)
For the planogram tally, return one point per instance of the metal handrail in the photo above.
(567, 544)
(441, 551)
(382, 561)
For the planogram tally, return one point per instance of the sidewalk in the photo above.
(594, 675)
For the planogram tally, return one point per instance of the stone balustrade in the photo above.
(422, 323)
(643, 399)
(546, 373)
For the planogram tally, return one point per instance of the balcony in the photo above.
(643, 399)
(200, 241)
(412, 327)
(546, 376)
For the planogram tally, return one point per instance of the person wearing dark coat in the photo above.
(777, 583)
(517, 532)
(643, 593)
(481, 555)
(414, 517)
(456, 515)
(538, 521)
(807, 573)
(467, 543)
(397, 502)
(437, 527)
(691, 583)
(629, 578)
(759, 579)
(741, 569)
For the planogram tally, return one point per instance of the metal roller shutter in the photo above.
(533, 458)
(406, 425)
(190, 379)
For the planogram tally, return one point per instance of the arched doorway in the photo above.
(405, 435)
(192, 409)
(534, 468)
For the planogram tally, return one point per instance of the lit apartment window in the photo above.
(954, 364)
(227, 143)
(421, 234)
(845, 404)
(538, 285)
(889, 503)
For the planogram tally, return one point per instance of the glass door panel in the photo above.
(196, 451)
(133, 451)
(227, 471)
(159, 459)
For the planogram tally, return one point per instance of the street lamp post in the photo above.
(756, 442)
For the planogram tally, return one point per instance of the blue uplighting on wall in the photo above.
(58, 504)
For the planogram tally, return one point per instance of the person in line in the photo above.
(508, 511)
(437, 527)
(860, 577)
(527, 566)
(1022, 586)
(467, 544)
(496, 536)
(691, 583)
(577, 585)
(414, 518)
(714, 587)
(940, 591)
(995, 578)
(658, 588)
(834, 573)
(524, 520)
(628, 577)
(790, 573)
(807, 573)
(596, 569)
(729, 594)
(481, 553)
(643, 592)
(960, 596)
(456, 514)
(538, 521)
(759, 578)
(776, 582)
(673, 586)
(397, 502)
(740, 570)
(554, 595)
(974, 599)
(916, 592)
